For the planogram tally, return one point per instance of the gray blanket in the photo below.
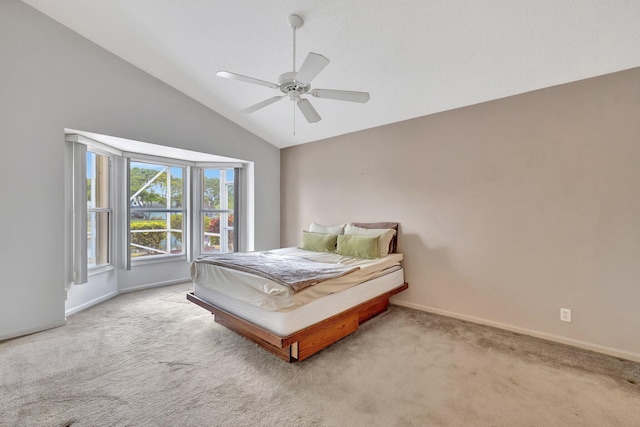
(293, 272)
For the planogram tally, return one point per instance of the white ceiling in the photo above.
(415, 57)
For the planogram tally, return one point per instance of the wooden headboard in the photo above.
(393, 245)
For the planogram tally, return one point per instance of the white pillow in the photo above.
(384, 236)
(327, 229)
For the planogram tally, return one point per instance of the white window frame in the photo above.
(198, 205)
(110, 210)
(186, 210)
(78, 264)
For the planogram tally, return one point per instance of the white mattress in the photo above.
(286, 322)
(269, 295)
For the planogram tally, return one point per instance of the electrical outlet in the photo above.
(565, 315)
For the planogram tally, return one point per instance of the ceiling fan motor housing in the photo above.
(288, 83)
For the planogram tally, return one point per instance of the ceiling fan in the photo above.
(296, 84)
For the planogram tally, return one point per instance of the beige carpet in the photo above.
(151, 358)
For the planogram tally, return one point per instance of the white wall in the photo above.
(52, 79)
(509, 210)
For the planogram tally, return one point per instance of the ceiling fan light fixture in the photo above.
(294, 95)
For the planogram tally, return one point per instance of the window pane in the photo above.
(97, 180)
(155, 186)
(152, 188)
(211, 235)
(230, 187)
(217, 187)
(211, 189)
(217, 232)
(159, 234)
(97, 239)
(97, 197)
(217, 210)
(230, 241)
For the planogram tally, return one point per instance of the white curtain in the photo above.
(79, 213)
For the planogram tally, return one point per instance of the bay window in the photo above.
(132, 203)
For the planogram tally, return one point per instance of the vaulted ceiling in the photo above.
(415, 57)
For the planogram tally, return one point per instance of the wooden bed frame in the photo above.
(308, 341)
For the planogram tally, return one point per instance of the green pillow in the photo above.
(319, 242)
(358, 246)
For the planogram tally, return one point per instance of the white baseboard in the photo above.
(110, 295)
(22, 332)
(88, 304)
(543, 335)
(154, 285)
(29, 331)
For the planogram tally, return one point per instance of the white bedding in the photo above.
(271, 305)
(269, 295)
(285, 323)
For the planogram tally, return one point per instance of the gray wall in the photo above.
(509, 210)
(52, 79)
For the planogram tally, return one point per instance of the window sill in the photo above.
(158, 259)
(94, 271)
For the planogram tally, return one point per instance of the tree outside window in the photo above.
(217, 210)
(156, 223)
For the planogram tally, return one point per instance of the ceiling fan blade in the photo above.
(308, 111)
(262, 104)
(311, 67)
(240, 77)
(342, 95)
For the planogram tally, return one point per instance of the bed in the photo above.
(295, 323)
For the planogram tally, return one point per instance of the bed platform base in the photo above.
(308, 341)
